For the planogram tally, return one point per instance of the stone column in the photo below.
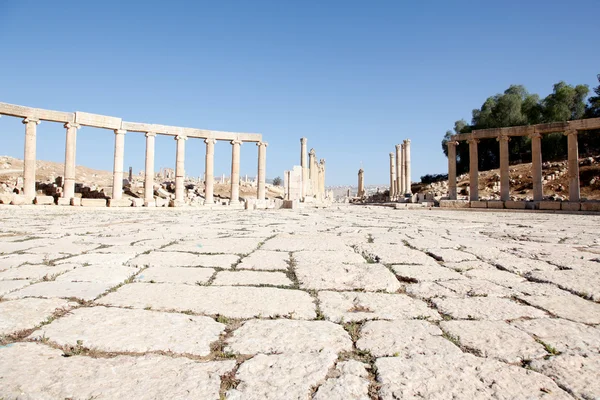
(149, 170)
(29, 157)
(399, 175)
(574, 194)
(392, 177)
(303, 164)
(313, 172)
(235, 171)
(118, 164)
(322, 180)
(361, 183)
(209, 174)
(536, 166)
(451, 169)
(180, 169)
(504, 171)
(262, 165)
(407, 172)
(70, 149)
(473, 170)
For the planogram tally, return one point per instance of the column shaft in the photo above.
(149, 170)
(262, 165)
(400, 170)
(118, 164)
(574, 193)
(209, 175)
(70, 150)
(303, 164)
(361, 183)
(504, 170)
(235, 172)
(392, 177)
(536, 166)
(407, 171)
(29, 157)
(452, 170)
(473, 170)
(180, 169)
(322, 181)
(313, 172)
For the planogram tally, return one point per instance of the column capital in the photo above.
(473, 141)
(150, 134)
(236, 141)
(69, 125)
(322, 161)
(262, 144)
(34, 120)
(120, 131)
(312, 152)
(210, 141)
(181, 137)
(570, 132)
(535, 135)
(407, 142)
(398, 147)
(451, 143)
(502, 138)
(392, 155)
(303, 140)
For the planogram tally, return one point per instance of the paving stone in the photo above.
(24, 373)
(25, 243)
(10, 286)
(241, 278)
(476, 288)
(428, 290)
(486, 308)
(494, 339)
(35, 272)
(18, 315)
(138, 331)
(314, 257)
(461, 376)
(289, 243)
(568, 307)
(403, 338)
(232, 302)
(538, 289)
(421, 273)
(287, 336)
(179, 259)
(216, 246)
(113, 275)
(577, 374)
(469, 265)
(265, 260)
(582, 281)
(190, 276)
(337, 276)
(98, 259)
(14, 260)
(522, 265)
(451, 255)
(356, 306)
(396, 254)
(350, 383)
(271, 376)
(563, 335)
(61, 289)
(499, 277)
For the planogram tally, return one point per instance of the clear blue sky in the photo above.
(355, 77)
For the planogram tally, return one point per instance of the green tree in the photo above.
(593, 108)
(565, 102)
(277, 181)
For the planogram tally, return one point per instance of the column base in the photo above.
(150, 203)
(64, 201)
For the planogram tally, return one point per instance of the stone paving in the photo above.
(342, 303)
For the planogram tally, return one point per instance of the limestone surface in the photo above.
(190, 276)
(216, 246)
(237, 278)
(35, 272)
(338, 276)
(22, 314)
(95, 273)
(422, 273)
(10, 286)
(563, 335)
(350, 383)
(577, 374)
(180, 259)
(63, 289)
(486, 308)
(265, 260)
(569, 307)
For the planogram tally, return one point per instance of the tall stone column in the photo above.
(392, 177)
(574, 194)
(536, 166)
(303, 164)
(149, 170)
(118, 164)
(473, 170)
(451, 169)
(504, 170)
(313, 172)
(209, 174)
(70, 150)
(235, 171)
(29, 157)
(399, 172)
(262, 166)
(180, 169)
(407, 171)
(361, 183)
(322, 180)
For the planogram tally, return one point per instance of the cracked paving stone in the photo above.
(476, 288)
(429, 290)
(568, 307)
(137, 331)
(403, 338)
(232, 302)
(35, 272)
(577, 374)
(14, 260)
(184, 275)
(356, 306)
(241, 278)
(486, 308)
(104, 260)
(461, 376)
(301, 242)
(22, 314)
(10, 286)
(421, 273)
(337, 276)
(287, 336)
(499, 277)
(178, 259)
(351, 382)
(216, 246)
(36, 371)
(96, 273)
(265, 260)
(494, 339)
(79, 290)
(396, 254)
(469, 265)
(565, 336)
(451, 255)
(580, 281)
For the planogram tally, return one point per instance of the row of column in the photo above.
(536, 167)
(400, 171)
(313, 172)
(29, 167)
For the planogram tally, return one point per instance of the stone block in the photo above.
(495, 204)
(454, 204)
(176, 203)
(151, 203)
(590, 206)
(532, 205)
(61, 201)
(291, 204)
(515, 205)
(479, 204)
(570, 206)
(93, 202)
(549, 205)
(119, 202)
(76, 201)
(43, 200)
(6, 198)
(160, 202)
(135, 202)
(19, 200)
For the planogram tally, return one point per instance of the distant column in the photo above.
(451, 169)
(473, 170)
(209, 175)
(504, 171)
(392, 177)
(70, 149)
(29, 157)
(574, 194)
(118, 164)
(262, 165)
(322, 181)
(180, 169)
(536, 166)
(235, 171)
(149, 170)
(313, 172)
(361, 183)
(407, 168)
(400, 169)
(303, 164)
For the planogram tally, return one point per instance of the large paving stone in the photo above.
(36, 371)
(497, 276)
(79, 290)
(582, 281)
(469, 265)
(522, 265)
(10, 286)
(232, 302)
(422, 273)
(563, 335)
(476, 288)
(451, 255)
(577, 374)
(35, 272)
(350, 382)
(288, 336)
(241, 278)
(569, 307)
(265, 260)
(396, 254)
(113, 275)
(18, 315)
(403, 338)
(279, 376)
(179, 259)
(188, 275)
(316, 242)
(486, 308)
(216, 246)
(138, 331)
(461, 376)
(494, 339)
(104, 260)
(355, 306)
(320, 257)
(428, 290)
(338, 276)
(14, 260)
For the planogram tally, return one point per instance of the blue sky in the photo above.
(354, 77)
